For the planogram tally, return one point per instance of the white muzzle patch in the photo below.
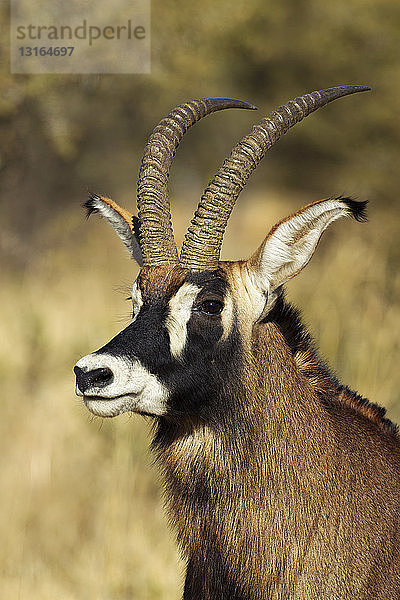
(132, 388)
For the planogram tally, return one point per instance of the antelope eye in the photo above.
(211, 307)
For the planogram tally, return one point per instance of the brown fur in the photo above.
(160, 282)
(297, 493)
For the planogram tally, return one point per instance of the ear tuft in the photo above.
(122, 221)
(358, 210)
(90, 204)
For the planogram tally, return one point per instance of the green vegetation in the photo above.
(81, 511)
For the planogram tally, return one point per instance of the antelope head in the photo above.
(194, 316)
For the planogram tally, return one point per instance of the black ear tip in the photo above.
(90, 205)
(358, 210)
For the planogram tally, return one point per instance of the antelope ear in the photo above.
(291, 243)
(123, 222)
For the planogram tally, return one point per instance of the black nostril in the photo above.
(96, 378)
(101, 377)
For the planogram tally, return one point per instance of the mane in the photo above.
(311, 366)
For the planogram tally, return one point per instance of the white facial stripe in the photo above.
(137, 300)
(133, 387)
(227, 316)
(180, 309)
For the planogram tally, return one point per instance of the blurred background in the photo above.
(82, 512)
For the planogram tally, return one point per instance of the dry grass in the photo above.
(81, 510)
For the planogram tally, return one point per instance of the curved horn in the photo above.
(202, 244)
(156, 235)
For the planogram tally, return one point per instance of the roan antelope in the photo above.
(281, 482)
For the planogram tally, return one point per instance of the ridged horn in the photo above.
(156, 235)
(202, 243)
